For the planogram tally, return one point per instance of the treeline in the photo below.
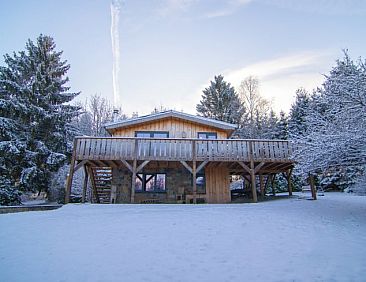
(39, 119)
(326, 126)
(245, 107)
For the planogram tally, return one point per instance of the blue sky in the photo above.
(171, 49)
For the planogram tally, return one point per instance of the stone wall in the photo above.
(178, 184)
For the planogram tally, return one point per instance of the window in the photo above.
(150, 182)
(152, 134)
(207, 135)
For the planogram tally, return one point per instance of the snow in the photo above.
(290, 239)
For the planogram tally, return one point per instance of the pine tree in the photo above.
(220, 101)
(297, 124)
(281, 131)
(269, 126)
(36, 136)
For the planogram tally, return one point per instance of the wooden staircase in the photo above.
(102, 180)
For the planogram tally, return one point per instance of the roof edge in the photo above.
(171, 113)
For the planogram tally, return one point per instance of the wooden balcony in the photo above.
(171, 149)
(232, 156)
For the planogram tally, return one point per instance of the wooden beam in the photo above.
(252, 172)
(85, 185)
(246, 178)
(252, 177)
(134, 170)
(127, 165)
(194, 174)
(79, 165)
(93, 163)
(201, 166)
(194, 171)
(243, 165)
(186, 166)
(71, 174)
(258, 167)
(141, 166)
(100, 163)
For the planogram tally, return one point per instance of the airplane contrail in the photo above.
(115, 9)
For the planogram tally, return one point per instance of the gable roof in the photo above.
(170, 114)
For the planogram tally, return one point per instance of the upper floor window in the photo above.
(207, 135)
(152, 134)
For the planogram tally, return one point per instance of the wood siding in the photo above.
(174, 126)
(217, 185)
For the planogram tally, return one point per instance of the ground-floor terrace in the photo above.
(141, 170)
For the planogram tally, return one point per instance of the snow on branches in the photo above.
(329, 126)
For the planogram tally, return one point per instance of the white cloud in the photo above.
(280, 77)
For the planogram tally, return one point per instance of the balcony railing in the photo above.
(172, 149)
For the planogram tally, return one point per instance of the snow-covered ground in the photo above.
(281, 240)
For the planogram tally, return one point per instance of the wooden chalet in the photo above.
(174, 157)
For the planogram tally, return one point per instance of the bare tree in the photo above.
(257, 107)
(96, 112)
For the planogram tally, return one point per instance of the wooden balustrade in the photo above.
(173, 149)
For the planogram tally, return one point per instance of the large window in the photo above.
(150, 182)
(152, 134)
(207, 135)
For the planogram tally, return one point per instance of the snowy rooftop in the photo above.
(173, 114)
(281, 240)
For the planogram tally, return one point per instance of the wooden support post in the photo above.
(85, 185)
(134, 169)
(261, 185)
(71, 174)
(252, 173)
(252, 177)
(288, 174)
(194, 172)
(79, 165)
(312, 186)
(134, 172)
(194, 176)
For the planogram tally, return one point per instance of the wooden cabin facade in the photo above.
(173, 157)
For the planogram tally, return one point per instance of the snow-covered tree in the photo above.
(35, 115)
(220, 101)
(335, 128)
(281, 131)
(267, 126)
(297, 124)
